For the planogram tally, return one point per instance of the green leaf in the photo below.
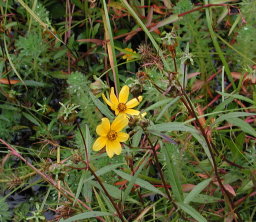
(158, 104)
(33, 83)
(59, 75)
(102, 203)
(87, 192)
(204, 145)
(191, 211)
(236, 147)
(245, 127)
(31, 119)
(236, 96)
(196, 190)
(139, 182)
(136, 138)
(112, 190)
(88, 141)
(222, 106)
(104, 170)
(103, 108)
(172, 176)
(171, 19)
(233, 115)
(60, 53)
(86, 215)
(9, 107)
(79, 187)
(132, 182)
(167, 107)
(204, 199)
(171, 126)
(175, 126)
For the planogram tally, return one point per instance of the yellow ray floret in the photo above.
(110, 135)
(121, 105)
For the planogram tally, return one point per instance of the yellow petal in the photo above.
(106, 100)
(119, 123)
(117, 112)
(109, 151)
(113, 147)
(132, 112)
(133, 102)
(99, 143)
(123, 95)
(104, 128)
(113, 98)
(122, 137)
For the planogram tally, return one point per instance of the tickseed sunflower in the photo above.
(121, 105)
(110, 135)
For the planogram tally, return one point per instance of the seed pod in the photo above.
(144, 123)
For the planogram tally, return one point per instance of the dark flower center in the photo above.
(112, 135)
(121, 107)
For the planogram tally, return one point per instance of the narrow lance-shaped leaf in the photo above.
(130, 185)
(172, 175)
(232, 115)
(140, 182)
(245, 127)
(196, 190)
(103, 108)
(104, 170)
(191, 211)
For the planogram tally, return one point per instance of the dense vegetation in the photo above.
(171, 81)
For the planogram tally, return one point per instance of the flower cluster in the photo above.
(110, 135)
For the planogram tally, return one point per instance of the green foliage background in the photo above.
(60, 55)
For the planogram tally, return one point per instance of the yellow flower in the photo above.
(121, 105)
(129, 55)
(110, 135)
